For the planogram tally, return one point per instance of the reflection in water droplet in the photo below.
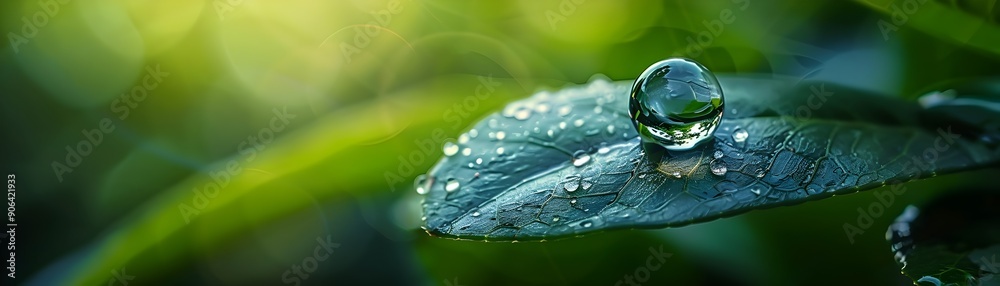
(718, 154)
(451, 185)
(581, 160)
(718, 168)
(421, 184)
(740, 135)
(450, 148)
(676, 103)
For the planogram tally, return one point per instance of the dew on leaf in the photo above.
(676, 103)
(451, 185)
(450, 148)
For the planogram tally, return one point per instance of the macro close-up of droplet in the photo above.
(676, 103)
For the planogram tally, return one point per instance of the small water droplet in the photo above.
(551, 133)
(542, 108)
(603, 150)
(565, 110)
(450, 148)
(578, 122)
(676, 103)
(500, 150)
(501, 135)
(451, 185)
(493, 123)
(586, 224)
(421, 184)
(555, 218)
(571, 185)
(462, 139)
(677, 175)
(586, 185)
(740, 135)
(718, 154)
(611, 129)
(475, 214)
(467, 151)
(581, 160)
(718, 168)
(473, 133)
(573, 201)
(598, 109)
(522, 114)
(479, 161)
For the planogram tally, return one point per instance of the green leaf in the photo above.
(570, 162)
(952, 241)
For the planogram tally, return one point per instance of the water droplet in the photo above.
(562, 125)
(676, 103)
(462, 139)
(598, 109)
(755, 190)
(586, 224)
(572, 184)
(421, 184)
(500, 150)
(611, 129)
(603, 150)
(578, 122)
(555, 218)
(473, 133)
(493, 123)
(451, 185)
(501, 135)
(467, 151)
(581, 160)
(565, 110)
(718, 168)
(542, 108)
(740, 135)
(573, 201)
(551, 133)
(450, 148)
(586, 185)
(522, 114)
(677, 175)
(718, 154)
(475, 214)
(479, 161)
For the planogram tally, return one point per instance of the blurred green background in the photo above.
(237, 134)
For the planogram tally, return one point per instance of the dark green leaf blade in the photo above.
(570, 162)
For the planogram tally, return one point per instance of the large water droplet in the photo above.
(740, 135)
(719, 168)
(451, 185)
(450, 148)
(676, 103)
